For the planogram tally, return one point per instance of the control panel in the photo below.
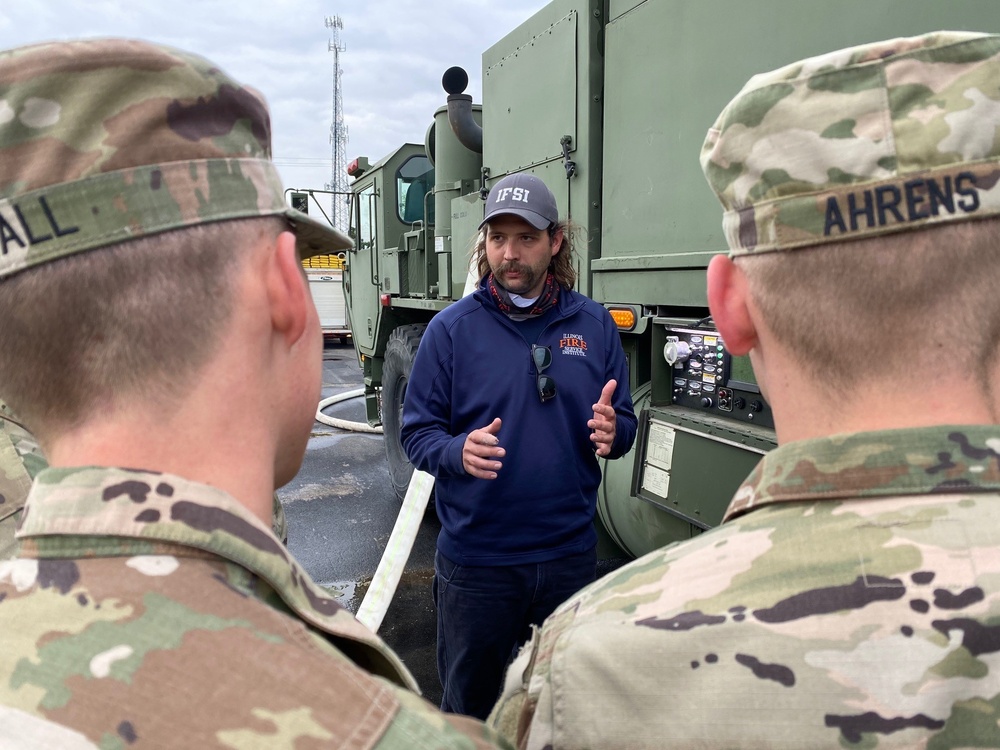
(706, 377)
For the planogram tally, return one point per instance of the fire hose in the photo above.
(404, 532)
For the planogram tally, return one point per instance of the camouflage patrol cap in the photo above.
(880, 138)
(107, 140)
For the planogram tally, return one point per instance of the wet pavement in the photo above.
(341, 509)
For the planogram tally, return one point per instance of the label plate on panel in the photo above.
(660, 444)
(659, 457)
(656, 481)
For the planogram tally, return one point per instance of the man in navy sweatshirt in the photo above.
(516, 392)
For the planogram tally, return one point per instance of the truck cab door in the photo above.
(361, 285)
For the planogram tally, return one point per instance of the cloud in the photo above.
(396, 52)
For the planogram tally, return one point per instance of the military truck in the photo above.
(608, 101)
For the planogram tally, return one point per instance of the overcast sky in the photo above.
(396, 51)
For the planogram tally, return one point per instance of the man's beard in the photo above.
(528, 277)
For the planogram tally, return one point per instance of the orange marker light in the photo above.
(624, 317)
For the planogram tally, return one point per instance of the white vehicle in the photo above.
(326, 283)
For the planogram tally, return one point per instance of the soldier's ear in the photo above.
(729, 303)
(288, 291)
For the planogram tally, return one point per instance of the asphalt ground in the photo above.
(341, 510)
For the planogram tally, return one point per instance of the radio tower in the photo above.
(338, 133)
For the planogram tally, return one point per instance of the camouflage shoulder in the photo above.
(160, 644)
(8, 543)
(514, 712)
(418, 724)
(147, 507)
(15, 483)
(515, 708)
(279, 522)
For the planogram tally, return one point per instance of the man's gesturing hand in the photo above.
(481, 448)
(603, 423)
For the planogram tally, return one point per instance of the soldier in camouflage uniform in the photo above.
(160, 339)
(851, 598)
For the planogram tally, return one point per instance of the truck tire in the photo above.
(399, 355)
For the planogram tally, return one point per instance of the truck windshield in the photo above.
(414, 179)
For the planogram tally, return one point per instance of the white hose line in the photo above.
(343, 423)
(397, 551)
(404, 533)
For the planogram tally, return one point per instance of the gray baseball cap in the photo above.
(525, 196)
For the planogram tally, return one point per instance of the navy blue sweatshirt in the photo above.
(473, 365)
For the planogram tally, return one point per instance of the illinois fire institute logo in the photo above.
(573, 344)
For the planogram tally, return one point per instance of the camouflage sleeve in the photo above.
(14, 486)
(27, 449)
(514, 714)
(20, 460)
(174, 651)
(514, 709)
(279, 523)
(419, 724)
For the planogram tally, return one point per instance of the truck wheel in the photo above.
(399, 355)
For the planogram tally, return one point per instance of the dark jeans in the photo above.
(485, 614)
